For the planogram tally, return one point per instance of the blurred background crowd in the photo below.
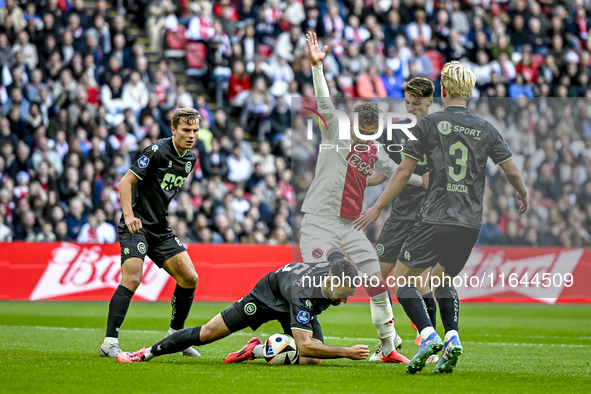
(87, 85)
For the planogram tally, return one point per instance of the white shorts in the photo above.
(319, 233)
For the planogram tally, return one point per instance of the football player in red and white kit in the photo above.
(335, 199)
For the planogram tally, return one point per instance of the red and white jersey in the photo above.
(341, 172)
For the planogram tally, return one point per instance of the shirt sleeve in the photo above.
(324, 102)
(147, 162)
(301, 315)
(386, 166)
(416, 149)
(498, 151)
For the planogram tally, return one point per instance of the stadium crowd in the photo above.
(80, 101)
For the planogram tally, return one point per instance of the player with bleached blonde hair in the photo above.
(457, 145)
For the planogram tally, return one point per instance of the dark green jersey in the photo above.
(408, 203)
(296, 289)
(162, 172)
(457, 144)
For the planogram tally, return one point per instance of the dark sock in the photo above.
(449, 307)
(178, 341)
(431, 307)
(181, 302)
(414, 306)
(117, 310)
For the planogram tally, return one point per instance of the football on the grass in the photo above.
(281, 349)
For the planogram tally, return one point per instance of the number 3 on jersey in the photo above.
(462, 161)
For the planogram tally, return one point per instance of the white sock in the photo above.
(110, 340)
(426, 332)
(149, 355)
(381, 314)
(450, 334)
(258, 351)
(171, 331)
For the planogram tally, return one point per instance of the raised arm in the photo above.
(320, 87)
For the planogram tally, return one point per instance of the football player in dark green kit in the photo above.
(146, 190)
(457, 145)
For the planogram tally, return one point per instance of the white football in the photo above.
(281, 349)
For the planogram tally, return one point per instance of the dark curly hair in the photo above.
(368, 113)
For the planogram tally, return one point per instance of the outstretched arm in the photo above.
(308, 347)
(396, 183)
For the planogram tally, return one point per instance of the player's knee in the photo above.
(131, 281)
(206, 335)
(189, 280)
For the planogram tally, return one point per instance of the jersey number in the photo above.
(462, 161)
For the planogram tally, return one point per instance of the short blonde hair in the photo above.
(189, 115)
(419, 87)
(457, 80)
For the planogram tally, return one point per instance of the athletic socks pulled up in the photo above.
(118, 307)
(181, 303)
(177, 342)
(414, 306)
(431, 307)
(449, 307)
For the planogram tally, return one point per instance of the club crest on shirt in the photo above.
(188, 167)
(143, 161)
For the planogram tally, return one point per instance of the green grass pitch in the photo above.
(52, 347)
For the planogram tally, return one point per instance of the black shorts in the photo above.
(392, 238)
(250, 312)
(429, 244)
(158, 247)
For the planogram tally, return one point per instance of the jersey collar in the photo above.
(175, 148)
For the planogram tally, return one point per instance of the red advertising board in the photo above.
(69, 271)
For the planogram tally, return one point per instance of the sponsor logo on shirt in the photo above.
(365, 167)
(444, 127)
(171, 180)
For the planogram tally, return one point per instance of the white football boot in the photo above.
(109, 348)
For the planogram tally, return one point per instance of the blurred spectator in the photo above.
(238, 166)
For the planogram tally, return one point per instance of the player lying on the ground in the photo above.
(418, 97)
(335, 199)
(283, 295)
(457, 144)
(146, 190)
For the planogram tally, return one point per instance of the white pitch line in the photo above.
(566, 345)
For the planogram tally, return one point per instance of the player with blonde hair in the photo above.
(457, 145)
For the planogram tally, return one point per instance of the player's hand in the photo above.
(523, 198)
(425, 183)
(367, 217)
(316, 55)
(358, 352)
(133, 224)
